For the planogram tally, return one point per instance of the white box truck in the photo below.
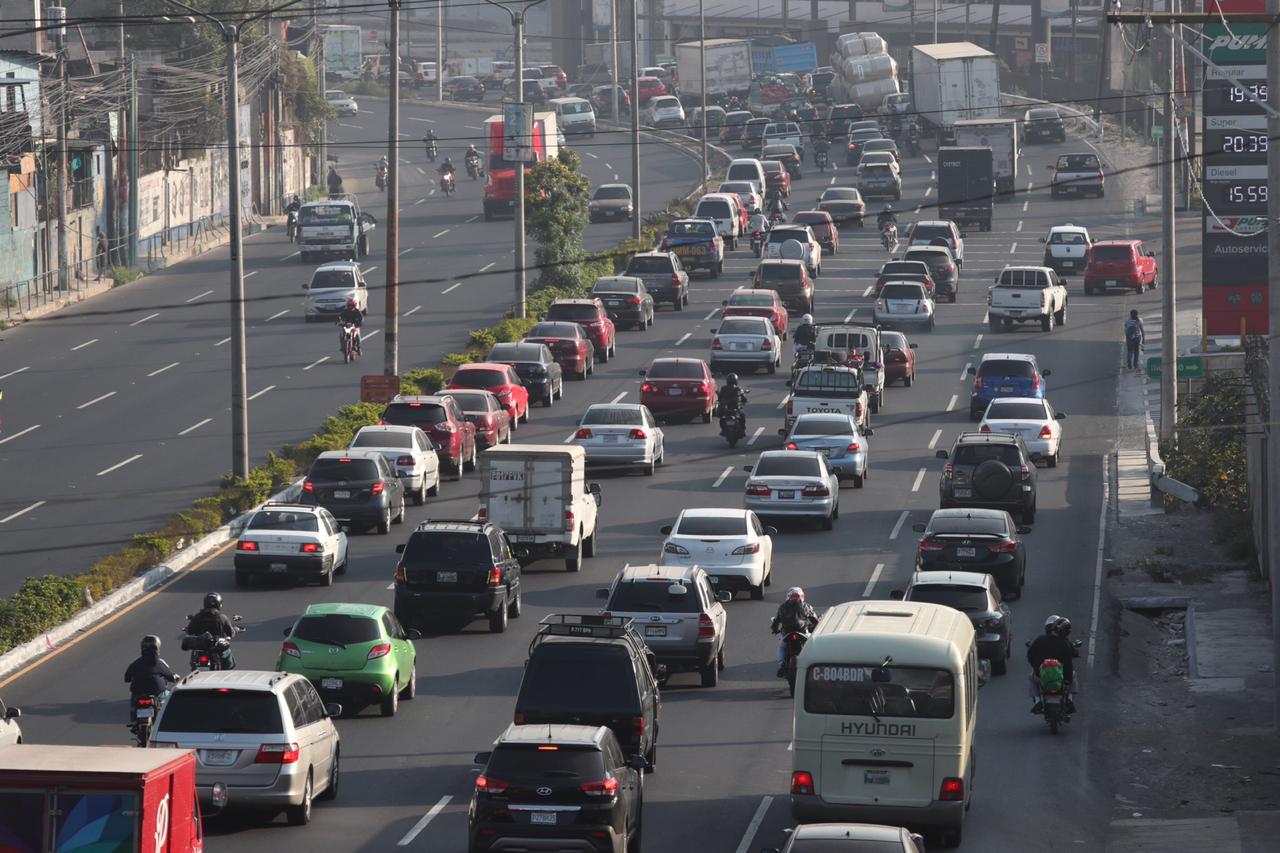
(1001, 136)
(954, 81)
(728, 67)
(538, 494)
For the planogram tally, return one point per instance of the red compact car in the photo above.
(492, 421)
(501, 381)
(594, 320)
(1119, 263)
(678, 388)
(746, 302)
(569, 345)
(648, 88)
(441, 418)
(775, 175)
(899, 358)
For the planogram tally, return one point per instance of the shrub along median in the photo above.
(557, 220)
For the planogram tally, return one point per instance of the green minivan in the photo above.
(355, 654)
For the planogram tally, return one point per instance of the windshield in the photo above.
(324, 214)
(556, 673)
(1112, 253)
(271, 519)
(1009, 368)
(743, 326)
(966, 599)
(820, 380)
(783, 273)
(781, 235)
(1082, 162)
(930, 257)
(612, 192)
(414, 414)
(336, 470)
(339, 628)
(788, 465)
(1042, 114)
(878, 172)
(975, 454)
(447, 548)
(616, 286)
(572, 311)
(901, 267)
(981, 525)
(1010, 411)
(613, 416)
(902, 291)
(554, 330)
(647, 596)
(840, 194)
(692, 229)
(771, 167)
(820, 220)
(549, 762)
(711, 525)
(506, 352)
(383, 438)
(744, 171)
(222, 711)
(575, 108)
(333, 280)
(756, 300)
(714, 209)
(874, 691)
(1067, 238)
(480, 378)
(925, 233)
(821, 425)
(675, 370)
(474, 402)
(650, 265)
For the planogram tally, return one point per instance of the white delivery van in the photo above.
(538, 494)
(576, 115)
(885, 707)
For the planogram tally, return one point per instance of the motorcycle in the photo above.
(208, 653)
(733, 423)
(889, 236)
(803, 358)
(777, 216)
(1054, 693)
(446, 184)
(473, 168)
(820, 159)
(291, 225)
(144, 713)
(381, 179)
(757, 242)
(913, 144)
(432, 151)
(793, 643)
(349, 343)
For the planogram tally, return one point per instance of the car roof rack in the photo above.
(586, 625)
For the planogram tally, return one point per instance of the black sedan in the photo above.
(626, 300)
(464, 89)
(975, 540)
(1043, 124)
(977, 596)
(536, 367)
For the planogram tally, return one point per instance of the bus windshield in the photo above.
(879, 691)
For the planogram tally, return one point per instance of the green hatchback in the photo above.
(355, 654)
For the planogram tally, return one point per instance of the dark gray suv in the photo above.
(358, 487)
(992, 470)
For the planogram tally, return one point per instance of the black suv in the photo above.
(457, 570)
(358, 487)
(557, 787)
(989, 469)
(587, 669)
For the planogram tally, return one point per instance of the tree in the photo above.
(556, 198)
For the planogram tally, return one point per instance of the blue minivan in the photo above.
(1004, 374)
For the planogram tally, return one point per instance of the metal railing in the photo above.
(23, 297)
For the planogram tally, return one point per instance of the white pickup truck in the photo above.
(1066, 248)
(1023, 294)
(538, 494)
(829, 389)
(860, 340)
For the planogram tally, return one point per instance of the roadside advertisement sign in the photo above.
(517, 133)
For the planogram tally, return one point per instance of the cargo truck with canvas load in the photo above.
(953, 82)
(1002, 137)
(500, 173)
(728, 67)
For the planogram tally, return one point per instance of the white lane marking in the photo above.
(592, 156)
(708, 317)
(250, 274)
(199, 296)
(915, 487)
(163, 369)
(871, 582)
(985, 317)
(287, 257)
(196, 426)
(849, 316)
(85, 344)
(258, 394)
(421, 171)
(951, 404)
(105, 396)
(964, 371)
(433, 192)
(783, 402)
(368, 270)
(441, 233)
(221, 342)
(1029, 172)
(724, 475)
(22, 511)
(928, 191)
(754, 826)
(684, 338)
(619, 397)
(933, 176)
(977, 342)
(1014, 247)
(833, 179)
(419, 201)
(615, 176)
(19, 434)
(367, 335)
(487, 266)
(453, 286)
(406, 251)
(277, 315)
(570, 437)
(317, 362)
(472, 127)
(917, 210)
(759, 431)
(867, 292)
(609, 166)
(426, 819)
(473, 219)
(427, 120)
(391, 585)
(897, 527)
(933, 442)
(1030, 185)
(414, 310)
(134, 458)
(15, 372)
(1025, 205)
(1097, 566)
(1019, 228)
(927, 158)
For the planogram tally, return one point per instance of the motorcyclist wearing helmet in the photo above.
(886, 216)
(794, 614)
(1052, 645)
(731, 398)
(806, 334)
(776, 205)
(211, 620)
(446, 168)
(350, 315)
(334, 181)
(148, 675)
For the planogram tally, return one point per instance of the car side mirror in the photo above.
(941, 454)
(482, 758)
(972, 371)
(962, 235)
(306, 285)
(642, 371)
(1060, 416)
(724, 302)
(789, 383)
(747, 468)
(412, 634)
(897, 594)
(914, 346)
(868, 432)
(638, 763)
(333, 709)
(602, 592)
(1042, 240)
(1024, 529)
(287, 631)
(667, 529)
(782, 433)
(1046, 372)
(400, 548)
(724, 596)
(713, 331)
(12, 713)
(918, 527)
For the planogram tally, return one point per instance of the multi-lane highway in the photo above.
(723, 780)
(117, 410)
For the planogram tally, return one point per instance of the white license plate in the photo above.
(145, 713)
(966, 552)
(1068, 263)
(875, 777)
(739, 346)
(331, 683)
(655, 630)
(675, 392)
(963, 493)
(787, 494)
(524, 538)
(279, 567)
(1111, 282)
(446, 577)
(542, 817)
(219, 757)
(610, 439)
(341, 493)
(1006, 389)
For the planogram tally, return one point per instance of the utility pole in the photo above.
(117, 228)
(132, 141)
(1273, 349)
(702, 84)
(323, 74)
(635, 119)
(64, 95)
(935, 20)
(390, 334)
(440, 50)
(613, 37)
(1169, 264)
(520, 283)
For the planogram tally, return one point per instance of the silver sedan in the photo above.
(746, 342)
(836, 437)
(904, 303)
(793, 483)
(621, 434)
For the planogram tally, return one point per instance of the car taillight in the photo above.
(977, 383)
(379, 651)
(277, 753)
(1044, 298)
(988, 298)
(447, 427)
(246, 545)
(406, 461)
(758, 490)
(663, 245)
(1004, 546)
(791, 445)
(583, 433)
(766, 345)
(637, 433)
(648, 388)
(857, 409)
(291, 650)
(952, 789)
(702, 389)
(633, 300)
(1035, 382)
(607, 787)
(495, 577)
(401, 576)
(984, 428)
(815, 491)
(568, 521)
(715, 343)
(482, 513)
(377, 489)
(853, 447)
(675, 280)
(310, 548)
(706, 627)
(485, 785)
(790, 406)
(802, 783)
(1045, 432)
(1026, 471)
(948, 470)
(931, 545)
(308, 487)
(673, 548)
(753, 548)
(637, 726)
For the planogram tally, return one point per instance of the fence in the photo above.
(23, 297)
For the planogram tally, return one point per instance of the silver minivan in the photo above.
(263, 740)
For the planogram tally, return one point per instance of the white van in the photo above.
(722, 209)
(885, 707)
(576, 115)
(747, 169)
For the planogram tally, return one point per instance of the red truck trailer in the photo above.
(118, 799)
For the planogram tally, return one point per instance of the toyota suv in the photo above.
(455, 571)
(990, 470)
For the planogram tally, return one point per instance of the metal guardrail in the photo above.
(1072, 112)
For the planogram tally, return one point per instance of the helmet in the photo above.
(807, 318)
(351, 302)
(151, 644)
(471, 149)
(1051, 623)
(213, 601)
(448, 162)
(795, 594)
(888, 208)
(1063, 627)
(731, 380)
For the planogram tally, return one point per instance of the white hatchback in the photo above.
(732, 545)
(622, 434)
(1030, 417)
(665, 111)
(330, 287)
(409, 452)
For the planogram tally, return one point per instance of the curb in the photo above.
(19, 656)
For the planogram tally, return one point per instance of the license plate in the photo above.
(331, 683)
(963, 493)
(787, 494)
(446, 577)
(875, 777)
(145, 713)
(966, 552)
(1068, 263)
(1111, 282)
(542, 818)
(655, 630)
(614, 302)
(279, 567)
(675, 392)
(524, 538)
(825, 451)
(219, 757)
(740, 346)
(1006, 389)
(341, 493)
(610, 439)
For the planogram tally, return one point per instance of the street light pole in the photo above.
(702, 84)
(391, 334)
(635, 119)
(440, 50)
(613, 37)
(1169, 273)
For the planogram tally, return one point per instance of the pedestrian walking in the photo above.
(1134, 334)
(101, 253)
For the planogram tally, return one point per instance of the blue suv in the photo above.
(1004, 374)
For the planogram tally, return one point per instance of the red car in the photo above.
(899, 358)
(649, 87)
(1119, 263)
(775, 175)
(678, 388)
(746, 302)
(569, 344)
(822, 226)
(498, 379)
(440, 417)
(594, 320)
(492, 421)
(905, 271)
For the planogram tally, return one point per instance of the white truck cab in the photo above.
(333, 227)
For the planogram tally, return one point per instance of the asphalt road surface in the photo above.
(725, 767)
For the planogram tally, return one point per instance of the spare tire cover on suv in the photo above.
(992, 479)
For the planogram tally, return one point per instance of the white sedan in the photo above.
(291, 541)
(746, 342)
(734, 548)
(621, 434)
(409, 451)
(1032, 418)
(903, 303)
